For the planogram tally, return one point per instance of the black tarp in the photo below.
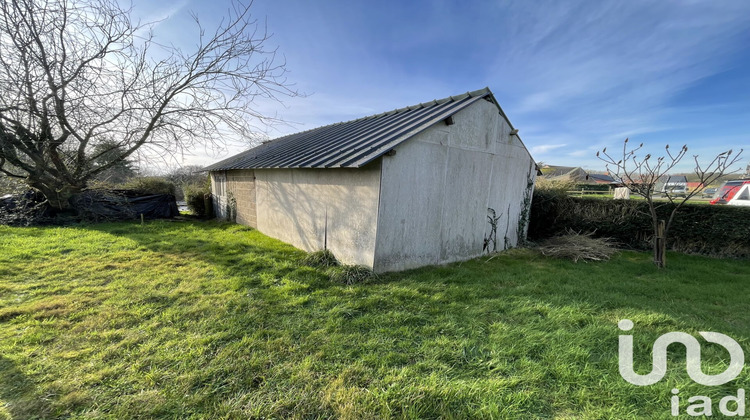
(24, 209)
(125, 204)
(97, 205)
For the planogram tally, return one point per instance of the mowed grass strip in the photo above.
(211, 320)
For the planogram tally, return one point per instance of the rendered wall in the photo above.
(436, 189)
(302, 206)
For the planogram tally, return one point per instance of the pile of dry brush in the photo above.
(578, 246)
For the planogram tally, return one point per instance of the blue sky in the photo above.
(573, 76)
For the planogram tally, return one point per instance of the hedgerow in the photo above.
(698, 228)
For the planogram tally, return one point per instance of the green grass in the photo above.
(208, 320)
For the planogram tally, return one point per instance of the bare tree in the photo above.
(10, 185)
(76, 74)
(641, 174)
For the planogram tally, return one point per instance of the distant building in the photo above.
(574, 174)
(564, 173)
(602, 179)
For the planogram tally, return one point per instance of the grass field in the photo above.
(209, 320)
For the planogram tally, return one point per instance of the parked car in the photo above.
(742, 197)
(675, 191)
(709, 192)
(679, 191)
(735, 193)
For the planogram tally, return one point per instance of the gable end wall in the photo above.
(436, 189)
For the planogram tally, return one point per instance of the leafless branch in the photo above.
(75, 74)
(641, 175)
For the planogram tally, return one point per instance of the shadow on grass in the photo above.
(627, 283)
(19, 392)
(235, 250)
(544, 329)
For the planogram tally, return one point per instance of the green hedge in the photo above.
(697, 228)
(195, 197)
(592, 187)
(150, 185)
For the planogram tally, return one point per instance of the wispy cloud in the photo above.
(574, 76)
(544, 148)
(612, 67)
(158, 12)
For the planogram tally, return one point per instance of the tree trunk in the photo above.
(660, 245)
(58, 195)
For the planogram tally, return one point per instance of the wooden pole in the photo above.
(661, 246)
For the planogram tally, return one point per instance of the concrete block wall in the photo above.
(241, 184)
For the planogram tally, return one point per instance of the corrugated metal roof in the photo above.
(351, 144)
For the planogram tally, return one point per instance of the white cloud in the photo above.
(581, 75)
(544, 148)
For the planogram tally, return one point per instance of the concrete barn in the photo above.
(397, 190)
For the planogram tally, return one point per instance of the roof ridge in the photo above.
(370, 133)
(474, 93)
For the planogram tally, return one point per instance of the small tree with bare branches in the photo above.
(641, 174)
(80, 80)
